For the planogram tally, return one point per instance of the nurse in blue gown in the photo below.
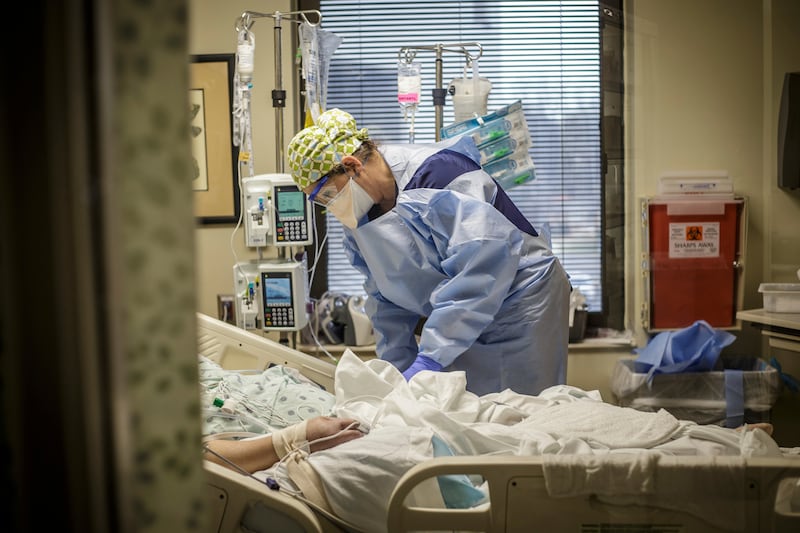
(438, 239)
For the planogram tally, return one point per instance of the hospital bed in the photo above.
(766, 490)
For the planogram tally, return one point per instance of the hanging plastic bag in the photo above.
(409, 87)
(409, 84)
(316, 48)
(242, 83)
(692, 349)
(470, 95)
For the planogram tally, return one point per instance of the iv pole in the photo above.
(246, 21)
(408, 53)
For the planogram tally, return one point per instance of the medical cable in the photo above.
(240, 418)
(343, 405)
(313, 331)
(318, 246)
(243, 85)
(274, 484)
(230, 463)
(332, 517)
(230, 406)
(228, 435)
(306, 448)
(232, 400)
(242, 130)
(314, 322)
(321, 347)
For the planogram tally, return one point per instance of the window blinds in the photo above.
(544, 53)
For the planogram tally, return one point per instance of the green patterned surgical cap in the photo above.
(314, 151)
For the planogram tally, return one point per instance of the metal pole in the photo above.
(439, 95)
(278, 98)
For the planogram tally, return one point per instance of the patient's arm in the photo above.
(260, 453)
(250, 455)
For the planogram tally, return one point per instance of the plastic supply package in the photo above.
(511, 171)
(503, 141)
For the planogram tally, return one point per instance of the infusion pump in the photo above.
(277, 212)
(270, 295)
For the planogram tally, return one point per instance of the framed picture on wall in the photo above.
(215, 183)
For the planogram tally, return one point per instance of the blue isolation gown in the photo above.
(457, 251)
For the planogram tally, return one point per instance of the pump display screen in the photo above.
(276, 290)
(291, 213)
(291, 203)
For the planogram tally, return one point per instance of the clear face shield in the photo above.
(324, 192)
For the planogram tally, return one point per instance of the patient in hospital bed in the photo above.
(352, 472)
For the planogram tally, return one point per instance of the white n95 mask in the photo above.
(350, 204)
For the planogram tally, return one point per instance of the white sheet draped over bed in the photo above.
(560, 420)
(569, 425)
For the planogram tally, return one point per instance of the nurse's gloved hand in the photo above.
(421, 363)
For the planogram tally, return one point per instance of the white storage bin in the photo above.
(781, 297)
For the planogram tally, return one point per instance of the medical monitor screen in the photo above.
(291, 203)
(277, 289)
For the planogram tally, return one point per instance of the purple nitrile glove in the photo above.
(419, 364)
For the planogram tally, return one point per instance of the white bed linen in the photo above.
(561, 421)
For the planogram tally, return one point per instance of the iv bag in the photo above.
(316, 48)
(244, 56)
(470, 95)
(409, 84)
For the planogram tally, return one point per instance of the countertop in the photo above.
(782, 329)
(761, 316)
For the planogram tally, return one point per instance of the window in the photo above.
(547, 54)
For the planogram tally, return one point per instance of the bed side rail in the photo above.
(237, 349)
(488, 517)
(236, 500)
(518, 497)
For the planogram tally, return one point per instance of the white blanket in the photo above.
(560, 421)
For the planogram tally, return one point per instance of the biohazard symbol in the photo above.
(694, 233)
